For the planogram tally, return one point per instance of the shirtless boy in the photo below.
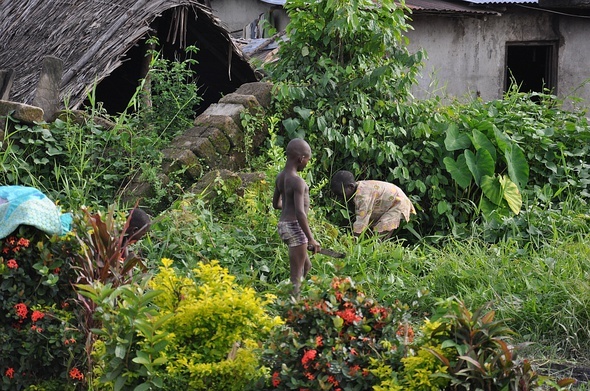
(291, 195)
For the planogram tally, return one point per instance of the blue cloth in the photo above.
(22, 205)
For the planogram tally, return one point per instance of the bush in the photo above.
(40, 342)
(330, 338)
(196, 331)
(216, 325)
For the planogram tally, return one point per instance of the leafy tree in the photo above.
(342, 80)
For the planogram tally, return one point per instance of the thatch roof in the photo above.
(92, 38)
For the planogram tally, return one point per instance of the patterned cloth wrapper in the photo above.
(22, 205)
(380, 205)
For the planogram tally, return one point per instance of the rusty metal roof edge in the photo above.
(446, 7)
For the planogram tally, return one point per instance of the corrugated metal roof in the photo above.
(440, 6)
(504, 1)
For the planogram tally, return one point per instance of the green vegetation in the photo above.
(487, 283)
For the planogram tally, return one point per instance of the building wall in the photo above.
(236, 14)
(574, 58)
(466, 55)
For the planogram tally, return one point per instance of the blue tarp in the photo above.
(22, 205)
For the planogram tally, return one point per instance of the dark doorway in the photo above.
(532, 66)
(219, 69)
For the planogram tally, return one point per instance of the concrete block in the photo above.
(22, 112)
(261, 90)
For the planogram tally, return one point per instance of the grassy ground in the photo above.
(541, 290)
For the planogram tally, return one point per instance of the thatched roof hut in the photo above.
(103, 41)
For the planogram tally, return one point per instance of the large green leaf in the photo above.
(518, 167)
(292, 125)
(456, 140)
(480, 140)
(511, 194)
(458, 170)
(492, 189)
(480, 164)
(501, 139)
(489, 209)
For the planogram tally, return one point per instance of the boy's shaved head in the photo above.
(341, 180)
(298, 147)
(139, 224)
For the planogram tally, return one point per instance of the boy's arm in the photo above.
(299, 202)
(277, 200)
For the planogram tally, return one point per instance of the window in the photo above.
(533, 65)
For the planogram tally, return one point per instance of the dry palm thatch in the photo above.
(91, 37)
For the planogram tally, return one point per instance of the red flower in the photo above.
(21, 310)
(69, 341)
(354, 369)
(379, 310)
(319, 341)
(309, 375)
(76, 374)
(36, 328)
(37, 315)
(308, 356)
(23, 242)
(11, 263)
(9, 373)
(332, 380)
(349, 315)
(276, 380)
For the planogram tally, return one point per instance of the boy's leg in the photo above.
(299, 265)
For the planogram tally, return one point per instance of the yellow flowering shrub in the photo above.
(214, 326)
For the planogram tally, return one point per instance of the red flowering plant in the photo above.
(329, 337)
(39, 339)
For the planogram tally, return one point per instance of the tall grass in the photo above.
(541, 286)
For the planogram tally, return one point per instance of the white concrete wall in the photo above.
(235, 14)
(574, 58)
(467, 55)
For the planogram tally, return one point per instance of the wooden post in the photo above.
(47, 93)
(6, 79)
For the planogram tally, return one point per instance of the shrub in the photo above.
(168, 95)
(476, 351)
(40, 342)
(215, 324)
(196, 331)
(127, 343)
(330, 337)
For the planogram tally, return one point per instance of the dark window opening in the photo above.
(532, 66)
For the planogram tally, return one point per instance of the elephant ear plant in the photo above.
(485, 160)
